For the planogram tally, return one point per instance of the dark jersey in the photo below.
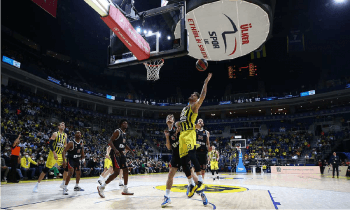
(202, 141)
(75, 152)
(174, 140)
(120, 142)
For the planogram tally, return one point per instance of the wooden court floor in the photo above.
(231, 191)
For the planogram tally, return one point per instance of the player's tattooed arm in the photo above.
(113, 138)
(68, 147)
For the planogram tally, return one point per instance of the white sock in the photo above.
(63, 182)
(103, 184)
(200, 178)
(65, 186)
(77, 185)
(167, 192)
(125, 187)
(189, 181)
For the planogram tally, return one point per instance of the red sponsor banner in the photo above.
(49, 6)
(122, 28)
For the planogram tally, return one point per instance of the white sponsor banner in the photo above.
(295, 170)
(225, 29)
(329, 171)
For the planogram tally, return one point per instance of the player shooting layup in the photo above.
(187, 139)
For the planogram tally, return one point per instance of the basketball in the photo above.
(202, 65)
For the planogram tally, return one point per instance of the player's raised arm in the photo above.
(112, 139)
(198, 104)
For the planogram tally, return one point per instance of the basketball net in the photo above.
(153, 68)
(238, 147)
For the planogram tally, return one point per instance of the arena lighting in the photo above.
(100, 6)
(159, 34)
(145, 31)
(138, 29)
(339, 1)
(149, 32)
(169, 37)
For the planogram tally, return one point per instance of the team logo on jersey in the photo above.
(209, 188)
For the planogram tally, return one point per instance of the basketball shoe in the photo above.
(126, 192)
(189, 189)
(35, 190)
(65, 191)
(194, 189)
(77, 188)
(204, 199)
(100, 190)
(166, 201)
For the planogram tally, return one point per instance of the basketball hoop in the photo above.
(153, 68)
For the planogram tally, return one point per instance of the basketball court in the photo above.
(232, 191)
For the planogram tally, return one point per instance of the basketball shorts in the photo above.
(108, 163)
(202, 158)
(50, 162)
(118, 162)
(187, 142)
(214, 165)
(175, 161)
(73, 163)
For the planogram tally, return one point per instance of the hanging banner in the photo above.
(50, 6)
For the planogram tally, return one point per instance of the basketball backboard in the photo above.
(214, 30)
(157, 27)
(241, 143)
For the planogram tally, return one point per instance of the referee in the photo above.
(15, 153)
(335, 162)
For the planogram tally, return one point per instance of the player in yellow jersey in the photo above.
(58, 142)
(108, 167)
(214, 162)
(187, 139)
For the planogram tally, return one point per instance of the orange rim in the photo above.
(155, 65)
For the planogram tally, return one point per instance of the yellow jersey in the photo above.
(188, 119)
(213, 156)
(59, 142)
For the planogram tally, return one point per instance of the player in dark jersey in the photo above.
(203, 148)
(117, 155)
(172, 143)
(75, 150)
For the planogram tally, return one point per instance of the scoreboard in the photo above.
(243, 72)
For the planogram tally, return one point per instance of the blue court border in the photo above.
(273, 201)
